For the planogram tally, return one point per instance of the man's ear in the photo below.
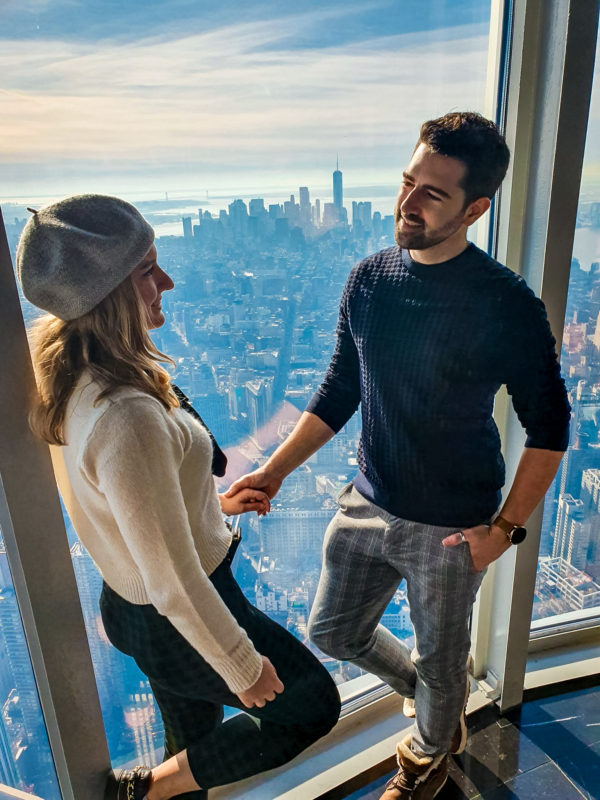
(476, 209)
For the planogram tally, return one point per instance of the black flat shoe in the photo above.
(128, 784)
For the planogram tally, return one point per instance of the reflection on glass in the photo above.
(213, 151)
(568, 580)
(25, 758)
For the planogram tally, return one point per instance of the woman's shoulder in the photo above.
(133, 407)
(126, 426)
(89, 390)
(126, 409)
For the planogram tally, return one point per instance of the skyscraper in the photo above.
(338, 191)
(304, 197)
(238, 217)
(572, 532)
(304, 206)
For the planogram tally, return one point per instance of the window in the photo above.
(25, 758)
(568, 579)
(267, 174)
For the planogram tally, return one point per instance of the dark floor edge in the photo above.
(562, 687)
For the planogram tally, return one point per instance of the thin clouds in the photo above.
(232, 98)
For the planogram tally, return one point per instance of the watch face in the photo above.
(518, 534)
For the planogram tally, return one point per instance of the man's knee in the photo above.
(443, 670)
(335, 642)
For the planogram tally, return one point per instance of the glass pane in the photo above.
(568, 581)
(25, 757)
(265, 145)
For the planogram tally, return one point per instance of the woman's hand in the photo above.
(266, 687)
(245, 500)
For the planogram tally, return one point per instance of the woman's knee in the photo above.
(330, 704)
(325, 707)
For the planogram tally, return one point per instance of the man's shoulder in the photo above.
(498, 279)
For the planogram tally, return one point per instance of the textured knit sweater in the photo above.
(424, 349)
(136, 481)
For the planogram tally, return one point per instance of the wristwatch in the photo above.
(514, 533)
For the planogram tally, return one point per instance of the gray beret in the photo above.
(72, 254)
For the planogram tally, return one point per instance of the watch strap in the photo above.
(504, 525)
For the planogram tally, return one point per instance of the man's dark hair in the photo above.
(474, 140)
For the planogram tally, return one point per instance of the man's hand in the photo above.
(486, 543)
(262, 479)
(266, 687)
(245, 500)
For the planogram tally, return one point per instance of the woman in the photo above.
(137, 484)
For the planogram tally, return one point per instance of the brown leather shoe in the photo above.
(128, 784)
(419, 777)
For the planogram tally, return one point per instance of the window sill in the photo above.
(570, 660)
(8, 793)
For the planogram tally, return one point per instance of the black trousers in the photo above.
(191, 695)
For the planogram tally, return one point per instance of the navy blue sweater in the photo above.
(424, 349)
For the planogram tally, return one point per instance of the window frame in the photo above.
(38, 554)
(551, 67)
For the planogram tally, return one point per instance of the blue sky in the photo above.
(185, 96)
(128, 20)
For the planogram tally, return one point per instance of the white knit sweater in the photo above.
(137, 484)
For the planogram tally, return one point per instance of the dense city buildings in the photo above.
(251, 326)
(25, 759)
(569, 575)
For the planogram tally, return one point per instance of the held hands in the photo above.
(259, 479)
(266, 687)
(486, 543)
(245, 500)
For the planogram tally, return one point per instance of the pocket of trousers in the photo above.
(343, 491)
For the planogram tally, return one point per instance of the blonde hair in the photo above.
(111, 342)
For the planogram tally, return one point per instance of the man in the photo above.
(428, 332)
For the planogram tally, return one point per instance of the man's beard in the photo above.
(423, 239)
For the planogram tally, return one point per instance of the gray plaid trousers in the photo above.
(366, 554)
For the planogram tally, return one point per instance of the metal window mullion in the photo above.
(41, 568)
(494, 102)
(549, 88)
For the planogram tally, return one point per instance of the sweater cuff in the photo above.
(330, 413)
(241, 668)
(548, 440)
